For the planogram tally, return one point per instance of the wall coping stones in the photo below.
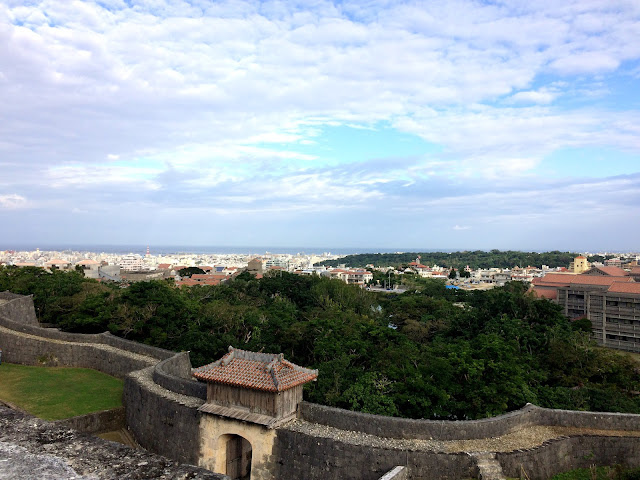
(404, 428)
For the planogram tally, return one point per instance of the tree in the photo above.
(187, 272)
(453, 274)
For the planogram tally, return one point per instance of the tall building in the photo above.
(607, 296)
(131, 263)
(579, 265)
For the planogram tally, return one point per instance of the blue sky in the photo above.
(412, 125)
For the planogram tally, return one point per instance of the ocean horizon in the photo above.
(203, 250)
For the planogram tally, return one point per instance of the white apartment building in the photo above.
(131, 263)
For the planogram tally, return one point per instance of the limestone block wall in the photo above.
(162, 421)
(591, 420)
(560, 455)
(29, 349)
(174, 374)
(96, 422)
(18, 307)
(405, 428)
(300, 455)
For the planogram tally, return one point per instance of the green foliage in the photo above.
(188, 271)
(475, 259)
(431, 352)
(615, 472)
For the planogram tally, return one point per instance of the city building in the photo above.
(579, 265)
(131, 263)
(607, 296)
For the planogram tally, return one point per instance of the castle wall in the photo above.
(29, 349)
(405, 428)
(420, 429)
(18, 307)
(96, 422)
(174, 374)
(162, 421)
(301, 455)
(560, 455)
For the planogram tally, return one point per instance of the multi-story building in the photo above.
(131, 263)
(607, 296)
(579, 265)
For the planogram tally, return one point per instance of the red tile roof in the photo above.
(554, 280)
(549, 293)
(635, 271)
(88, 262)
(628, 287)
(598, 280)
(613, 271)
(260, 371)
(564, 280)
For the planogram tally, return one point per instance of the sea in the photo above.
(201, 249)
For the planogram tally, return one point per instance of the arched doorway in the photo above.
(237, 456)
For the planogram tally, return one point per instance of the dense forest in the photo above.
(476, 259)
(428, 353)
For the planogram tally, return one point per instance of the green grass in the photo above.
(600, 473)
(54, 393)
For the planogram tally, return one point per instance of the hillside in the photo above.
(428, 353)
(475, 259)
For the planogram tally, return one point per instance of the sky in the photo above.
(388, 124)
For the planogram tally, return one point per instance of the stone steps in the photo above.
(488, 466)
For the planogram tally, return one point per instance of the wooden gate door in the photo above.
(234, 457)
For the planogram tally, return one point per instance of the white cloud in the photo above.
(541, 96)
(232, 97)
(12, 201)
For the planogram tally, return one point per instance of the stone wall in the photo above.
(174, 374)
(591, 420)
(405, 428)
(317, 458)
(96, 422)
(30, 349)
(18, 307)
(563, 454)
(398, 473)
(162, 421)
(32, 448)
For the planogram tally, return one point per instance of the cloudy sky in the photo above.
(380, 124)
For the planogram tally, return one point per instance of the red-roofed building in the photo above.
(261, 388)
(607, 296)
(611, 271)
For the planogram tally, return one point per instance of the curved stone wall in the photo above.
(301, 455)
(18, 307)
(30, 345)
(563, 454)
(405, 428)
(174, 374)
(162, 421)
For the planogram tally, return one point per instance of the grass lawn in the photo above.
(53, 393)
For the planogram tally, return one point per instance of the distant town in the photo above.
(214, 268)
